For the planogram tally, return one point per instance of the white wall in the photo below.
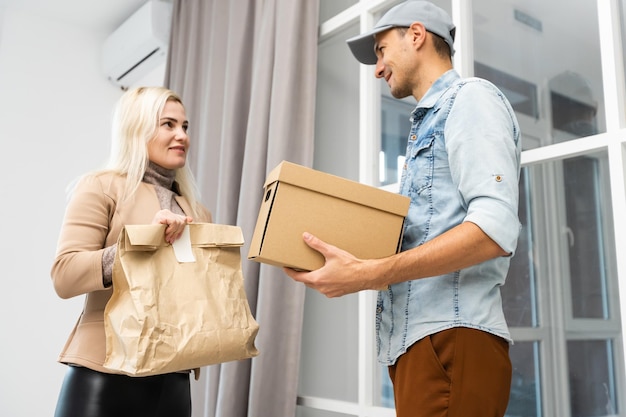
(54, 125)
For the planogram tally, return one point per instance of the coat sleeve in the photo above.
(77, 268)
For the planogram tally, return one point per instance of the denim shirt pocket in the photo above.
(418, 186)
(421, 164)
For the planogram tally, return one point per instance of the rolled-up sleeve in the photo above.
(483, 144)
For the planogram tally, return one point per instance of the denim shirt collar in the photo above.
(435, 92)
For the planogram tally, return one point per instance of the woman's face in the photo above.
(169, 148)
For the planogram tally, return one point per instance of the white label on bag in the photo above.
(182, 247)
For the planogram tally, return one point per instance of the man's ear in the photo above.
(418, 34)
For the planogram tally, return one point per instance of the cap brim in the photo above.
(362, 46)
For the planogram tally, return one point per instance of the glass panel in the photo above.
(519, 298)
(591, 378)
(395, 126)
(525, 400)
(329, 8)
(328, 363)
(387, 398)
(565, 210)
(572, 211)
(572, 117)
(585, 230)
(557, 99)
(337, 107)
(622, 7)
(522, 94)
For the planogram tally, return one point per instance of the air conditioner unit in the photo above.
(139, 45)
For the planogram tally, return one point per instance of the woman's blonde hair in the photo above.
(135, 123)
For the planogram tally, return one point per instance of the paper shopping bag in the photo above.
(177, 307)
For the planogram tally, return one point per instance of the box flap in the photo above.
(336, 186)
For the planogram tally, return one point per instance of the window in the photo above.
(558, 298)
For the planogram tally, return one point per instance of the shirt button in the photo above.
(413, 137)
(379, 310)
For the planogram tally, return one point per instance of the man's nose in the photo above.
(379, 69)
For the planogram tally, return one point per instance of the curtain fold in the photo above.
(246, 71)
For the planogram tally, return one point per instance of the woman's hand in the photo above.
(175, 224)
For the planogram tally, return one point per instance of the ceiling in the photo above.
(96, 15)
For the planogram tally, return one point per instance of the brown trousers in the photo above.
(460, 372)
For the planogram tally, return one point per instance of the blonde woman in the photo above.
(146, 181)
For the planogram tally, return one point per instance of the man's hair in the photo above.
(441, 46)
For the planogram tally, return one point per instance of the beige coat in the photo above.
(93, 220)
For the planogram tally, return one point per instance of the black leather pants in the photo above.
(88, 393)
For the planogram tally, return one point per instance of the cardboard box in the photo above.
(363, 220)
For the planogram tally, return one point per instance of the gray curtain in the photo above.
(246, 71)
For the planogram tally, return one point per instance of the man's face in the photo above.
(395, 61)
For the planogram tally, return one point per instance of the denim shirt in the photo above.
(462, 164)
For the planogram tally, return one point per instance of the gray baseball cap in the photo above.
(433, 18)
